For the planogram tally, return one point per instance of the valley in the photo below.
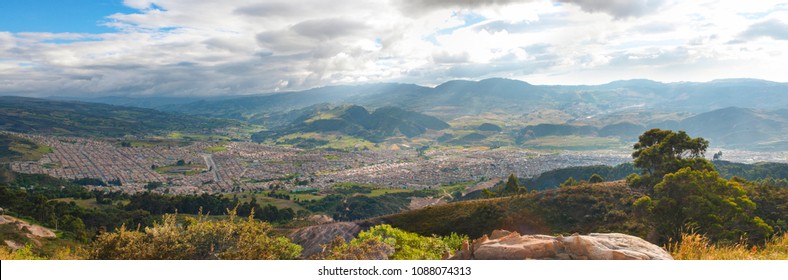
(369, 157)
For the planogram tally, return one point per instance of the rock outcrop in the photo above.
(31, 230)
(320, 219)
(312, 238)
(505, 245)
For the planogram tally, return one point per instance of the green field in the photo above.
(196, 137)
(89, 203)
(263, 199)
(217, 148)
(188, 169)
(332, 141)
(307, 196)
(379, 192)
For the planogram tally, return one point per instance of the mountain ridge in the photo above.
(75, 118)
(510, 96)
(356, 121)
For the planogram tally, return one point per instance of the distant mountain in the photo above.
(623, 130)
(732, 126)
(253, 106)
(150, 102)
(542, 130)
(489, 127)
(72, 118)
(545, 130)
(718, 94)
(458, 97)
(356, 121)
(621, 109)
(735, 126)
(463, 98)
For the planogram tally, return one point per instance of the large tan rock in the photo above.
(504, 245)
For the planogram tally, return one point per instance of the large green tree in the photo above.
(659, 152)
(685, 193)
(702, 201)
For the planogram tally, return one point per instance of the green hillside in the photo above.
(69, 118)
(14, 148)
(604, 207)
(356, 121)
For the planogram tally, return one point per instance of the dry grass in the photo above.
(698, 247)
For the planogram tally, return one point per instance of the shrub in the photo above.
(197, 238)
(411, 246)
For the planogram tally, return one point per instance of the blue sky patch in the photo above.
(57, 16)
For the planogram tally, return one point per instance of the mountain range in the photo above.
(742, 113)
(455, 98)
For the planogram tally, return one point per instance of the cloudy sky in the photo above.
(186, 47)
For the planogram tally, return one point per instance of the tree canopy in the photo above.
(512, 186)
(687, 194)
(659, 152)
(701, 200)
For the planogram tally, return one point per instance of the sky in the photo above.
(230, 47)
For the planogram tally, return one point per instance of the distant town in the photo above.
(204, 167)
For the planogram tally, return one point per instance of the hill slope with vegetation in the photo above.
(71, 118)
(356, 121)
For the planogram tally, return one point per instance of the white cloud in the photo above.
(773, 28)
(619, 8)
(240, 46)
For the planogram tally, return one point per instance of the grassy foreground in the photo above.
(698, 247)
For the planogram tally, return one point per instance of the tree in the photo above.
(569, 182)
(512, 186)
(487, 193)
(595, 178)
(180, 162)
(717, 156)
(701, 200)
(685, 193)
(659, 152)
(153, 185)
(76, 226)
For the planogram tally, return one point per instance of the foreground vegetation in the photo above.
(387, 242)
(198, 239)
(698, 247)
